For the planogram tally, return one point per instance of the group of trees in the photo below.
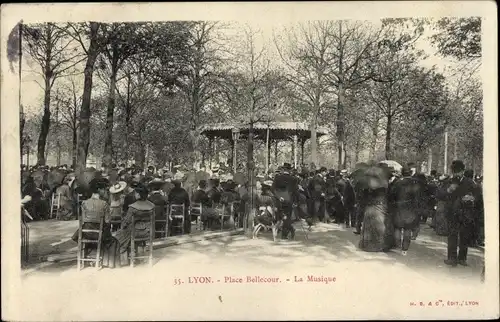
(142, 90)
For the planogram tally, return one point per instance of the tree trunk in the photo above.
(276, 152)
(140, 156)
(250, 174)
(128, 110)
(314, 142)
(388, 133)
(108, 143)
(357, 149)
(340, 127)
(75, 147)
(455, 146)
(84, 126)
(373, 143)
(429, 161)
(44, 130)
(22, 121)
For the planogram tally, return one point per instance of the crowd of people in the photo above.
(385, 206)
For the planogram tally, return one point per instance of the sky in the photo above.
(32, 92)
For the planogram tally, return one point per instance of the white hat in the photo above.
(268, 183)
(177, 166)
(118, 187)
(343, 171)
(215, 168)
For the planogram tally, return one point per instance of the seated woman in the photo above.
(93, 209)
(142, 229)
(66, 200)
(34, 206)
(116, 201)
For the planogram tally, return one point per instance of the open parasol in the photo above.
(392, 164)
(373, 177)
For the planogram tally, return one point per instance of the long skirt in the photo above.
(377, 233)
(124, 235)
(441, 224)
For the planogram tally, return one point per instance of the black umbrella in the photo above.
(373, 177)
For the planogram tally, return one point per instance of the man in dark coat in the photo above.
(286, 189)
(404, 202)
(160, 201)
(179, 196)
(214, 192)
(200, 196)
(463, 194)
(317, 189)
(346, 191)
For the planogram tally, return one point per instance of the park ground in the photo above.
(366, 285)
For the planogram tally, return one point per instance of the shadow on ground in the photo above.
(326, 245)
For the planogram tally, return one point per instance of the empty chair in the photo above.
(177, 217)
(196, 211)
(223, 212)
(55, 204)
(236, 210)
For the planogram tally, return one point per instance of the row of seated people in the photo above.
(148, 216)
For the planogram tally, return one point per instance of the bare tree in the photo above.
(354, 44)
(54, 53)
(122, 41)
(70, 103)
(305, 53)
(92, 47)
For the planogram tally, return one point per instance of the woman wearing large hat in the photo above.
(117, 198)
(141, 205)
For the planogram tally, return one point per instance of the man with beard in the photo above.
(285, 187)
(461, 214)
(404, 203)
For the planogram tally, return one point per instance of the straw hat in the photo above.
(268, 183)
(118, 187)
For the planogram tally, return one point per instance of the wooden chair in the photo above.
(146, 218)
(176, 211)
(236, 210)
(116, 222)
(221, 211)
(55, 205)
(85, 238)
(163, 219)
(196, 210)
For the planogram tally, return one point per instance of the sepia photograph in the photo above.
(249, 161)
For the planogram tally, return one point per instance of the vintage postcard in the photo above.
(249, 161)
